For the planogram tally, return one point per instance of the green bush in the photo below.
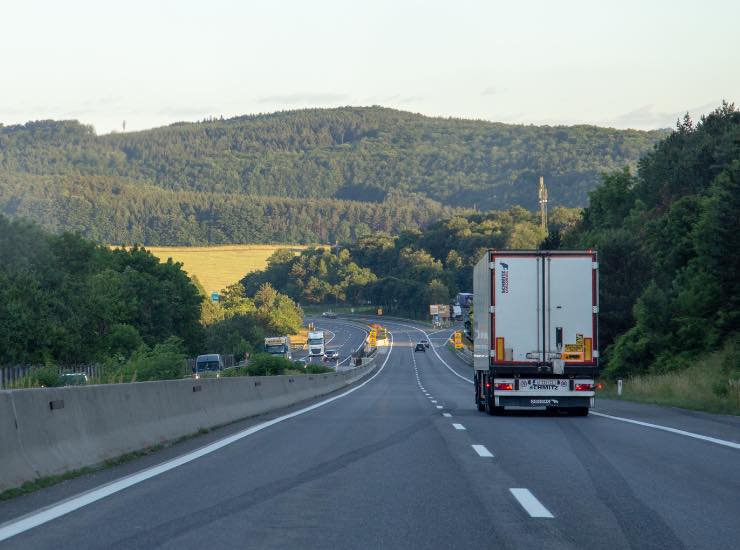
(317, 369)
(264, 364)
(165, 362)
(122, 341)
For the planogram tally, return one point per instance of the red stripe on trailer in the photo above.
(594, 302)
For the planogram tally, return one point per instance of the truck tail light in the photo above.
(584, 387)
(500, 348)
(488, 385)
(503, 386)
(588, 352)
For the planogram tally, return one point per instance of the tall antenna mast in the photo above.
(543, 204)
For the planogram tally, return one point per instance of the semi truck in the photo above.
(278, 345)
(535, 330)
(316, 343)
(457, 312)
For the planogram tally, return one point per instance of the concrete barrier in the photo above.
(48, 431)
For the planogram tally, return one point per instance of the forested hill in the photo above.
(348, 153)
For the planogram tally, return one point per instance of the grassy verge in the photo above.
(703, 387)
(48, 481)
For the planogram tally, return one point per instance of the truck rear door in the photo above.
(571, 307)
(517, 327)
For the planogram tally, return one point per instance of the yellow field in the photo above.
(216, 267)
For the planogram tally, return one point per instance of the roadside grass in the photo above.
(706, 386)
(217, 267)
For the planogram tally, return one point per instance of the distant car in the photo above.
(425, 342)
(329, 315)
(331, 355)
(420, 347)
(73, 379)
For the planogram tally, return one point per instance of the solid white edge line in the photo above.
(715, 440)
(458, 426)
(482, 451)
(54, 511)
(530, 503)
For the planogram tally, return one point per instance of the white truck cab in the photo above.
(316, 343)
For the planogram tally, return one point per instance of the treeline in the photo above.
(353, 153)
(65, 300)
(407, 272)
(113, 210)
(669, 242)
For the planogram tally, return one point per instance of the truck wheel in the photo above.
(579, 411)
(492, 409)
(481, 405)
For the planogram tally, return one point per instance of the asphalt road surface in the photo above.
(404, 460)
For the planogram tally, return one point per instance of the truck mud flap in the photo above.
(536, 402)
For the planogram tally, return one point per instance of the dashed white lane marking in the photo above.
(730, 444)
(440, 407)
(434, 400)
(447, 415)
(482, 451)
(458, 426)
(45, 515)
(530, 503)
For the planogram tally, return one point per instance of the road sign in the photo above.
(380, 311)
(215, 296)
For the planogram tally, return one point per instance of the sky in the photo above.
(625, 64)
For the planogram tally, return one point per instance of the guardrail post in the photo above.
(619, 387)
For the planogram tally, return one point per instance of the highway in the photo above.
(403, 460)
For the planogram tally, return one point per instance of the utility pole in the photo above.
(543, 204)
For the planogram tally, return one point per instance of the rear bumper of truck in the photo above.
(561, 401)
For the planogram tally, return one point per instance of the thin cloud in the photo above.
(491, 90)
(648, 117)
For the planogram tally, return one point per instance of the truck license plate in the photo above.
(544, 384)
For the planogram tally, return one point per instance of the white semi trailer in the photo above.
(535, 330)
(316, 343)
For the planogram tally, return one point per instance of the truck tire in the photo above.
(492, 409)
(481, 405)
(579, 411)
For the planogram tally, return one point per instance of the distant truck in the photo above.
(279, 345)
(535, 330)
(464, 299)
(316, 343)
(300, 339)
(457, 312)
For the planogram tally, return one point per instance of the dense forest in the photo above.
(668, 238)
(67, 300)
(204, 173)
(406, 272)
(112, 210)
